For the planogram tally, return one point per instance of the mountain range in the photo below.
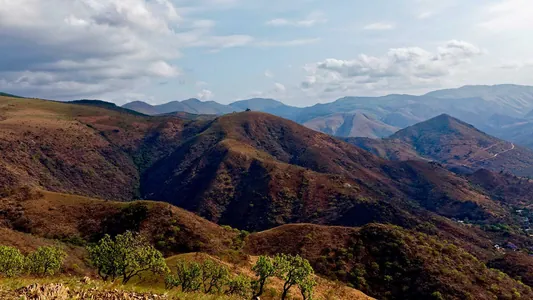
(504, 111)
(449, 141)
(392, 227)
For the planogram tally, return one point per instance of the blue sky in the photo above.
(301, 51)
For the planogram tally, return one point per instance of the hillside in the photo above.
(452, 142)
(351, 125)
(252, 171)
(249, 170)
(381, 260)
(390, 263)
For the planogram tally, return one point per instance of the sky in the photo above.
(300, 52)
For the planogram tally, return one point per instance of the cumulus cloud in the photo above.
(64, 49)
(205, 95)
(399, 67)
(312, 19)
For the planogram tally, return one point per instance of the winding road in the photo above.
(494, 155)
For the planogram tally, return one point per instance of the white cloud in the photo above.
(269, 74)
(380, 26)
(405, 68)
(205, 95)
(289, 43)
(509, 15)
(280, 87)
(312, 19)
(63, 49)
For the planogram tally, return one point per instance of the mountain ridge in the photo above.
(474, 104)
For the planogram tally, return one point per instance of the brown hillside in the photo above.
(452, 142)
(78, 220)
(255, 171)
(388, 262)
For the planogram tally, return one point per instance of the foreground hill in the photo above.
(391, 263)
(452, 142)
(381, 260)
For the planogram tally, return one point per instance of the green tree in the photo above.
(11, 261)
(293, 270)
(264, 269)
(188, 276)
(307, 287)
(240, 285)
(127, 256)
(46, 260)
(214, 276)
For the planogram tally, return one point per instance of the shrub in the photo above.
(11, 261)
(45, 261)
(214, 276)
(126, 256)
(240, 285)
(188, 276)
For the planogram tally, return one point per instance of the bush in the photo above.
(11, 261)
(240, 285)
(127, 256)
(45, 261)
(214, 276)
(188, 276)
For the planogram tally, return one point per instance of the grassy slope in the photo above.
(389, 262)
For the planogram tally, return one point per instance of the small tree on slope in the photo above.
(127, 256)
(264, 269)
(293, 270)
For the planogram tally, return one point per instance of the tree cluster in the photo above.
(126, 256)
(208, 277)
(44, 261)
(213, 278)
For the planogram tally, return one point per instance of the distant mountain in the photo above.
(192, 106)
(486, 107)
(104, 104)
(355, 124)
(9, 95)
(142, 107)
(270, 106)
(505, 98)
(450, 141)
